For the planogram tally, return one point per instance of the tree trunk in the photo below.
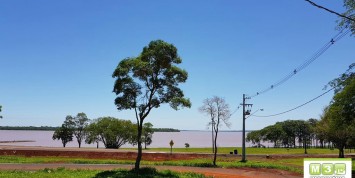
(305, 145)
(97, 145)
(341, 152)
(294, 142)
(139, 155)
(79, 142)
(215, 148)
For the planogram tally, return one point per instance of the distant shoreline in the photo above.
(50, 128)
(17, 141)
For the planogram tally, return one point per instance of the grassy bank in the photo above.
(294, 164)
(227, 150)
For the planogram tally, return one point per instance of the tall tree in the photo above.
(221, 113)
(147, 81)
(78, 124)
(64, 133)
(147, 136)
(339, 117)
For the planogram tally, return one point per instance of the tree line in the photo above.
(51, 128)
(289, 134)
(44, 128)
(336, 127)
(112, 132)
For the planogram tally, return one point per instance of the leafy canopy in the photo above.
(151, 79)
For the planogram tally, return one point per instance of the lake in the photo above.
(160, 139)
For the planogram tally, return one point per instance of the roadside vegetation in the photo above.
(119, 173)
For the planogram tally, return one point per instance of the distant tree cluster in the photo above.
(289, 134)
(165, 130)
(112, 132)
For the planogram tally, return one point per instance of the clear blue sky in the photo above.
(57, 57)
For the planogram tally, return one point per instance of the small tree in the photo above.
(147, 81)
(218, 110)
(0, 111)
(187, 145)
(171, 143)
(64, 133)
(78, 124)
(147, 134)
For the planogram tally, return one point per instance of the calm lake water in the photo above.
(160, 139)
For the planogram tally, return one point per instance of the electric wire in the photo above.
(344, 31)
(298, 105)
(235, 111)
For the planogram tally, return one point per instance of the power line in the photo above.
(235, 110)
(318, 53)
(331, 11)
(297, 106)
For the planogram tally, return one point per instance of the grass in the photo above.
(227, 150)
(288, 164)
(221, 162)
(120, 173)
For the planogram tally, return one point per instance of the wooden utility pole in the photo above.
(245, 112)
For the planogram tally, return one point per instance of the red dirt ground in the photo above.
(125, 155)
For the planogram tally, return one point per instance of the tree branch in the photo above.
(331, 11)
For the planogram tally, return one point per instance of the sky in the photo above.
(57, 57)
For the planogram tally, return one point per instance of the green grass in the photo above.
(120, 173)
(221, 162)
(227, 150)
(288, 164)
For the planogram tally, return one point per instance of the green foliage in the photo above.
(338, 120)
(187, 145)
(146, 172)
(78, 125)
(153, 76)
(111, 131)
(350, 12)
(120, 173)
(64, 133)
(285, 134)
(149, 80)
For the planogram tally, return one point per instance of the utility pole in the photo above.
(245, 112)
